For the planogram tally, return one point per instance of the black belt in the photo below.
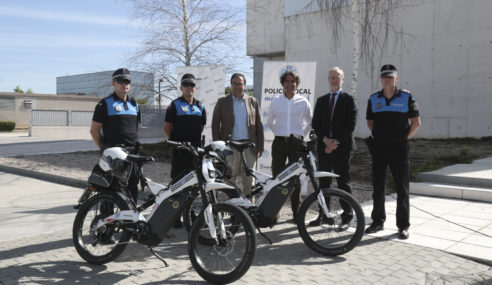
(284, 139)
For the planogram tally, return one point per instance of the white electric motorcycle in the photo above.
(108, 217)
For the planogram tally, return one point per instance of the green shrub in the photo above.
(7, 126)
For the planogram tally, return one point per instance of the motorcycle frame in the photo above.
(305, 165)
(163, 193)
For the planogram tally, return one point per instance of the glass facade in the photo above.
(99, 84)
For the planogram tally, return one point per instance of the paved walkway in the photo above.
(20, 143)
(460, 227)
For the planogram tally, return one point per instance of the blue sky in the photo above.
(40, 40)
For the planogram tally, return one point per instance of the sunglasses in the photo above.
(188, 85)
(123, 81)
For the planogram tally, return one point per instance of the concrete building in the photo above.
(99, 84)
(442, 50)
(16, 107)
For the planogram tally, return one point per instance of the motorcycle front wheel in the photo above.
(336, 233)
(229, 256)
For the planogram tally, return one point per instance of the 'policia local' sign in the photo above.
(272, 71)
(275, 91)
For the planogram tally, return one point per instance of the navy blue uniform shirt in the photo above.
(187, 120)
(391, 116)
(120, 120)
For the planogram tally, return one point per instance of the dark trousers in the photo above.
(339, 162)
(181, 163)
(133, 181)
(394, 155)
(281, 150)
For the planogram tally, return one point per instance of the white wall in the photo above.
(265, 27)
(446, 62)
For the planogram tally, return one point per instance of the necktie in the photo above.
(332, 103)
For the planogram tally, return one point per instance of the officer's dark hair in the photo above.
(238, 75)
(287, 73)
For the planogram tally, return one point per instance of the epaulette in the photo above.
(405, 91)
(197, 102)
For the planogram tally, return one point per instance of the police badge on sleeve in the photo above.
(414, 106)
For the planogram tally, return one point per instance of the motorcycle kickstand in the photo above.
(269, 240)
(158, 256)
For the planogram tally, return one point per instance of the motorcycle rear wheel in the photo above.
(99, 246)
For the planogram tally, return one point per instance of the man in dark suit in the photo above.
(334, 118)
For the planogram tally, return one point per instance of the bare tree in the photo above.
(374, 26)
(187, 33)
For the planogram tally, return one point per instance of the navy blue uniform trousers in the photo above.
(394, 155)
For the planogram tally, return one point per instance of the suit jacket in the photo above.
(223, 120)
(344, 119)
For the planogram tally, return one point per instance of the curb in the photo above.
(454, 180)
(45, 176)
(451, 191)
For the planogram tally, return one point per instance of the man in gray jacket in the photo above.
(238, 117)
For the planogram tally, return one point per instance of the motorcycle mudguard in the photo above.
(324, 174)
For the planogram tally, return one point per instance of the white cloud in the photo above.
(64, 16)
(44, 41)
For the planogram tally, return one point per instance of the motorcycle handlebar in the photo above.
(195, 151)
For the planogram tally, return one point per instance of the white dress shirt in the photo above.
(289, 116)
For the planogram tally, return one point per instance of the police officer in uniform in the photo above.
(388, 114)
(184, 122)
(118, 116)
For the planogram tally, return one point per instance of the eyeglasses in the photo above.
(188, 85)
(334, 77)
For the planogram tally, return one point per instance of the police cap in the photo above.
(122, 75)
(388, 70)
(188, 78)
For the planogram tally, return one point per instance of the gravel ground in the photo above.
(78, 165)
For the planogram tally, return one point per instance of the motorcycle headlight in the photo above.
(211, 173)
(208, 170)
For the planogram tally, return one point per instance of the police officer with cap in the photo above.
(118, 116)
(185, 119)
(388, 114)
